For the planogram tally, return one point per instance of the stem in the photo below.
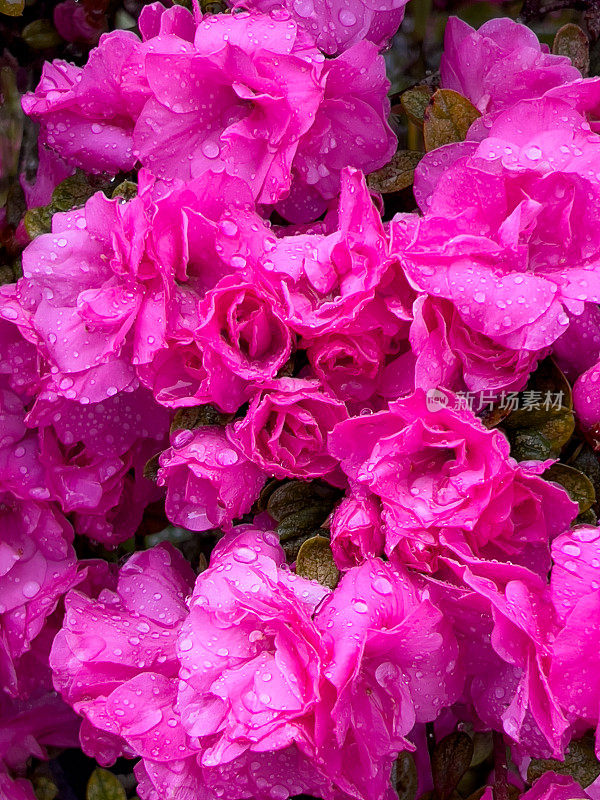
(430, 737)
(500, 768)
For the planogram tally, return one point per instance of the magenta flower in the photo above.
(283, 773)
(347, 365)
(18, 789)
(38, 566)
(576, 597)
(391, 661)
(250, 626)
(241, 326)
(90, 301)
(578, 348)
(234, 103)
(209, 481)
(87, 114)
(74, 24)
(501, 226)
(356, 530)
(551, 786)
(257, 100)
(337, 26)
(32, 725)
(339, 281)
(93, 456)
(505, 628)
(448, 353)
(586, 402)
(115, 663)
(499, 64)
(286, 429)
(20, 470)
(445, 481)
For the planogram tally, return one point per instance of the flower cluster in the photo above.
(245, 321)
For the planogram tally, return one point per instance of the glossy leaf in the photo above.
(397, 175)
(450, 760)
(571, 41)
(103, 785)
(578, 485)
(315, 561)
(580, 763)
(448, 118)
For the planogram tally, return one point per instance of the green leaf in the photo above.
(579, 486)
(580, 763)
(406, 776)
(543, 422)
(12, 8)
(448, 117)
(103, 785)
(587, 518)
(397, 175)
(41, 34)
(450, 760)
(44, 788)
(529, 445)
(126, 190)
(483, 747)
(291, 546)
(71, 193)
(315, 561)
(198, 417)
(414, 102)
(292, 497)
(571, 41)
(151, 468)
(301, 522)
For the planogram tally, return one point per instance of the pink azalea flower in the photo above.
(257, 99)
(586, 402)
(87, 114)
(282, 773)
(116, 284)
(339, 281)
(209, 481)
(18, 789)
(448, 353)
(286, 429)
(38, 566)
(239, 324)
(337, 26)
(551, 786)
(446, 483)
(307, 106)
(86, 305)
(578, 348)
(75, 24)
(20, 470)
(501, 225)
(576, 557)
(250, 626)
(31, 726)
(499, 64)
(356, 530)
(93, 458)
(576, 597)
(115, 663)
(391, 661)
(505, 628)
